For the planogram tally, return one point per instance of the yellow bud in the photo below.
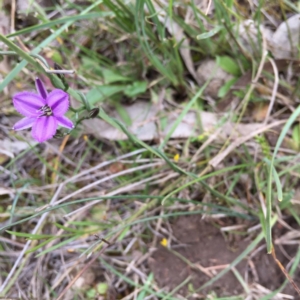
(176, 157)
(164, 242)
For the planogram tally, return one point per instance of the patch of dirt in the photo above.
(202, 243)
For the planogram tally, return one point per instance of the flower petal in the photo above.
(41, 88)
(28, 104)
(65, 122)
(58, 100)
(24, 123)
(44, 128)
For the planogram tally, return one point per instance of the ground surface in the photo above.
(183, 168)
(207, 250)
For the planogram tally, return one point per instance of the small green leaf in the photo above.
(110, 76)
(102, 288)
(208, 34)
(90, 65)
(191, 288)
(138, 87)
(102, 92)
(154, 96)
(228, 65)
(226, 87)
(56, 57)
(91, 294)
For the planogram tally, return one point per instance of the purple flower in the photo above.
(43, 112)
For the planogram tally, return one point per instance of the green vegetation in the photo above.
(182, 109)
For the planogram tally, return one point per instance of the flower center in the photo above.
(46, 111)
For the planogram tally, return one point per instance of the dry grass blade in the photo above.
(284, 271)
(214, 162)
(28, 243)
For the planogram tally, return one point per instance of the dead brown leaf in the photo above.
(260, 111)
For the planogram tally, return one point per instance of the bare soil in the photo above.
(202, 243)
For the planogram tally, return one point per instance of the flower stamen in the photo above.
(47, 111)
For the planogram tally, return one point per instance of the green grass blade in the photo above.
(143, 34)
(29, 236)
(57, 246)
(17, 69)
(143, 293)
(60, 21)
(282, 135)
